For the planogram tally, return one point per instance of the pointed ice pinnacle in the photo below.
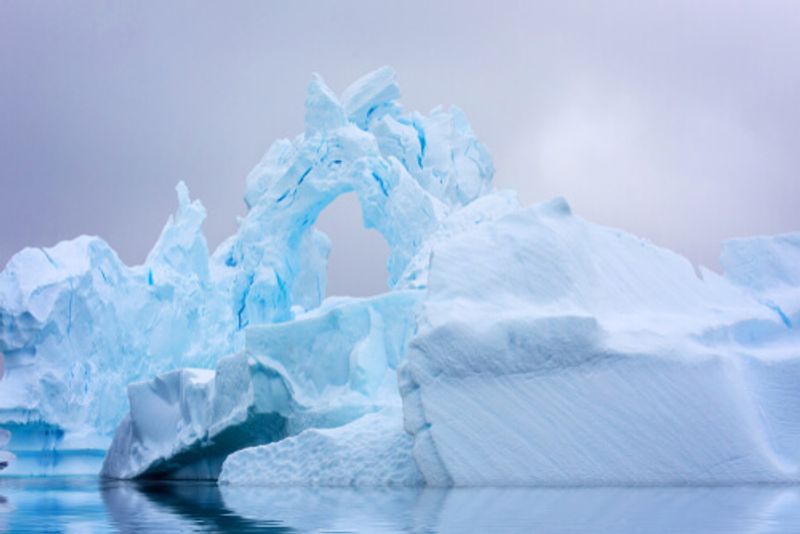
(323, 111)
(371, 96)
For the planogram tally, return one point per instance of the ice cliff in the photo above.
(513, 346)
(588, 356)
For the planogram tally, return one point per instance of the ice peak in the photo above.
(182, 246)
(323, 110)
(371, 96)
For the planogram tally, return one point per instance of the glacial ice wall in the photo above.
(77, 325)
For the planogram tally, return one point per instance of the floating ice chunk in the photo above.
(184, 423)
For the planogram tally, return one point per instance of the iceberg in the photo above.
(513, 346)
(77, 325)
(573, 354)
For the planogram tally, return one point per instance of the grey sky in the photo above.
(678, 121)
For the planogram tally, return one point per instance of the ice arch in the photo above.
(276, 264)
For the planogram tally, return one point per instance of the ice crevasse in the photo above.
(515, 345)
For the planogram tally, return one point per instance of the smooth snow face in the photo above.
(373, 450)
(77, 325)
(574, 354)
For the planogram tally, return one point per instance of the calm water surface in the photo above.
(80, 504)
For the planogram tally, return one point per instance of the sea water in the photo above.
(89, 504)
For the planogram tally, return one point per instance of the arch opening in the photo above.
(357, 265)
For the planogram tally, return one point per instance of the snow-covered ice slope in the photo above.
(373, 450)
(569, 353)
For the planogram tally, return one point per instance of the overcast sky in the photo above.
(677, 121)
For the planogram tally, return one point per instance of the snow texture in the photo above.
(373, 450)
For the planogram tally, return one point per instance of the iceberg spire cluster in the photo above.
(513, 345)
(77, 325)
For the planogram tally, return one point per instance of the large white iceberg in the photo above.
(513, 346)
(570, 353)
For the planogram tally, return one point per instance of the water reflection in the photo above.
(88, 504)
(176, 506)
(375, 510)
(558, 510)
